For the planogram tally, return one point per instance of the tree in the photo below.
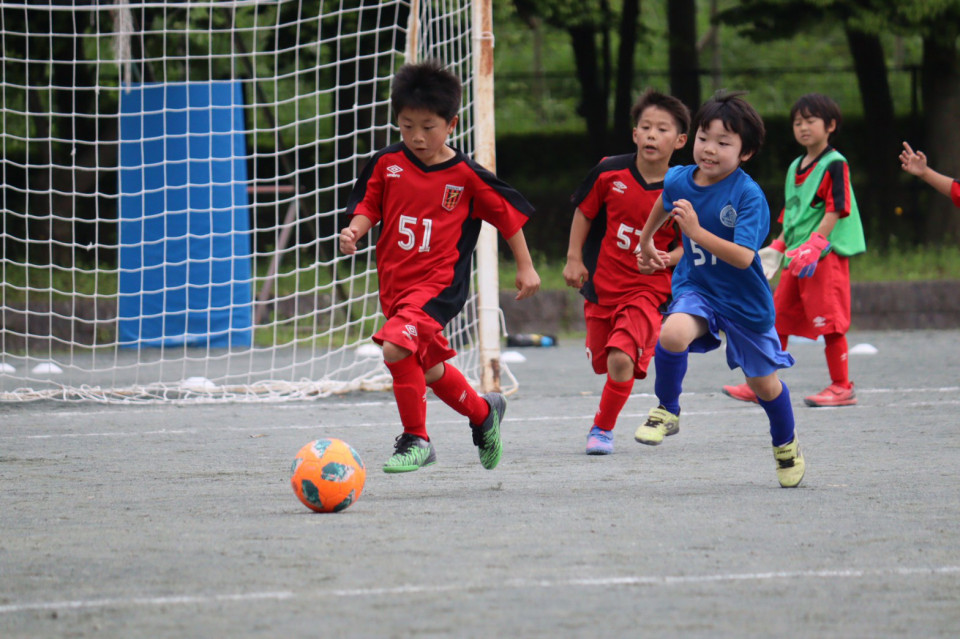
(684, 57)
(864, 21)
(765, 20)
(589, 24)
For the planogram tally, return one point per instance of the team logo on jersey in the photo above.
(394, 171)
(728, 216)
(619, 187)
(451, 196)
(410, 331)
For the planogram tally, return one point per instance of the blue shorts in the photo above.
(758, 354)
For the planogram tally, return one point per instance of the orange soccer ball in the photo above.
(328, 475)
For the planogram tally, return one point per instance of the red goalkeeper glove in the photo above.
(804, 257)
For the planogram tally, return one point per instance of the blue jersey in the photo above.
(735, 210)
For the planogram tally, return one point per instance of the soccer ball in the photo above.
(327, 475)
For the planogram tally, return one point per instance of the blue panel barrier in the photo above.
(185, 240)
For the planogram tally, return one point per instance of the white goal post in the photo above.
(174, 178)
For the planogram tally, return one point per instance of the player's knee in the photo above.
(619, 365)
(393, 353)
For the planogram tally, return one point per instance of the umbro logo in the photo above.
(410, 331)
(619, 187)
(394, 171)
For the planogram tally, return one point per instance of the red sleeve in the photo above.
(834, 189)
(491, 206)
(591, 205)
(367, 196)
(955, 193)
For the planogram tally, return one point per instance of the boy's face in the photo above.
(656, 136)
(811, 131)
(716, 152)
(425, 134)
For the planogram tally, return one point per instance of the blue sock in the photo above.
(780, 413)
(671, 368)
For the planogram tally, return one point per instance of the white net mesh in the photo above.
(174, 177)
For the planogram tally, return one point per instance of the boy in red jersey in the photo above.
(430, 201)
(622, 300)
(821, 231)
(915, 163)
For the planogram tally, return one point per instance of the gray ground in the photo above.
(180, 522)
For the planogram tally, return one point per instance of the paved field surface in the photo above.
(179, 521)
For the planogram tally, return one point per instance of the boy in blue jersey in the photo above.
(719, 283)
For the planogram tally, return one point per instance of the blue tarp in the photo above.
(185, 241)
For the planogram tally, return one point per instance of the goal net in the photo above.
(174, 178)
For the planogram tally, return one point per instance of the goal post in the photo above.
(174, 179)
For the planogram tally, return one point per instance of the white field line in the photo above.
(340, 424)
(515, 584)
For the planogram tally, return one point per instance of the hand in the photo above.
(804, 258)
(527, 282)
(348, 241)
(649, 258)
(650, 267)
(913, 162)
(771, 258)
(575, 274)
(686, 217)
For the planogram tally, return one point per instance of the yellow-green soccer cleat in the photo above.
(410, 453)
(790, 464)
(661, 423)
(486, 436)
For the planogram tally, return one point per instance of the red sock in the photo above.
(410, 391)
(615, 395)
(783, 341)
(454, 391)
(836, 351)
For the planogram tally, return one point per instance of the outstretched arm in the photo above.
(915, 163)
(528, 281)
(575, 273)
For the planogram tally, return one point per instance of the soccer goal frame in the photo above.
(174, 178)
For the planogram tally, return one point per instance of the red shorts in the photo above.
(412, 329)
(816, 305)
(632, 327)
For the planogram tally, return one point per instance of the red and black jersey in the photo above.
(430, 218)
(615, 197)
(834, 190)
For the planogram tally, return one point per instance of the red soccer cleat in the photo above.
(741, 392)
(833, 395)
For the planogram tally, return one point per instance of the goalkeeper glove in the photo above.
(804, 258)
(771, 257)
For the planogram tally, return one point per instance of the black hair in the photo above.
(737, 115)
(670, 104)
(426, 85)
(817, 105)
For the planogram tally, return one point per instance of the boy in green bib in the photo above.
(821, 231)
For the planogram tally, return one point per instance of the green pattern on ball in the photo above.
(343, 505)
(310, 493)
(356, 457)
(335, 471)
(320, 447)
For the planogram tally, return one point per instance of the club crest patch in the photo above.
(728, 216)
(451, 196)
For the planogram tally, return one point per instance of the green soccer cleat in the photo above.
(486, 436)
(790, 464)
(411, 453)
(661, 423)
